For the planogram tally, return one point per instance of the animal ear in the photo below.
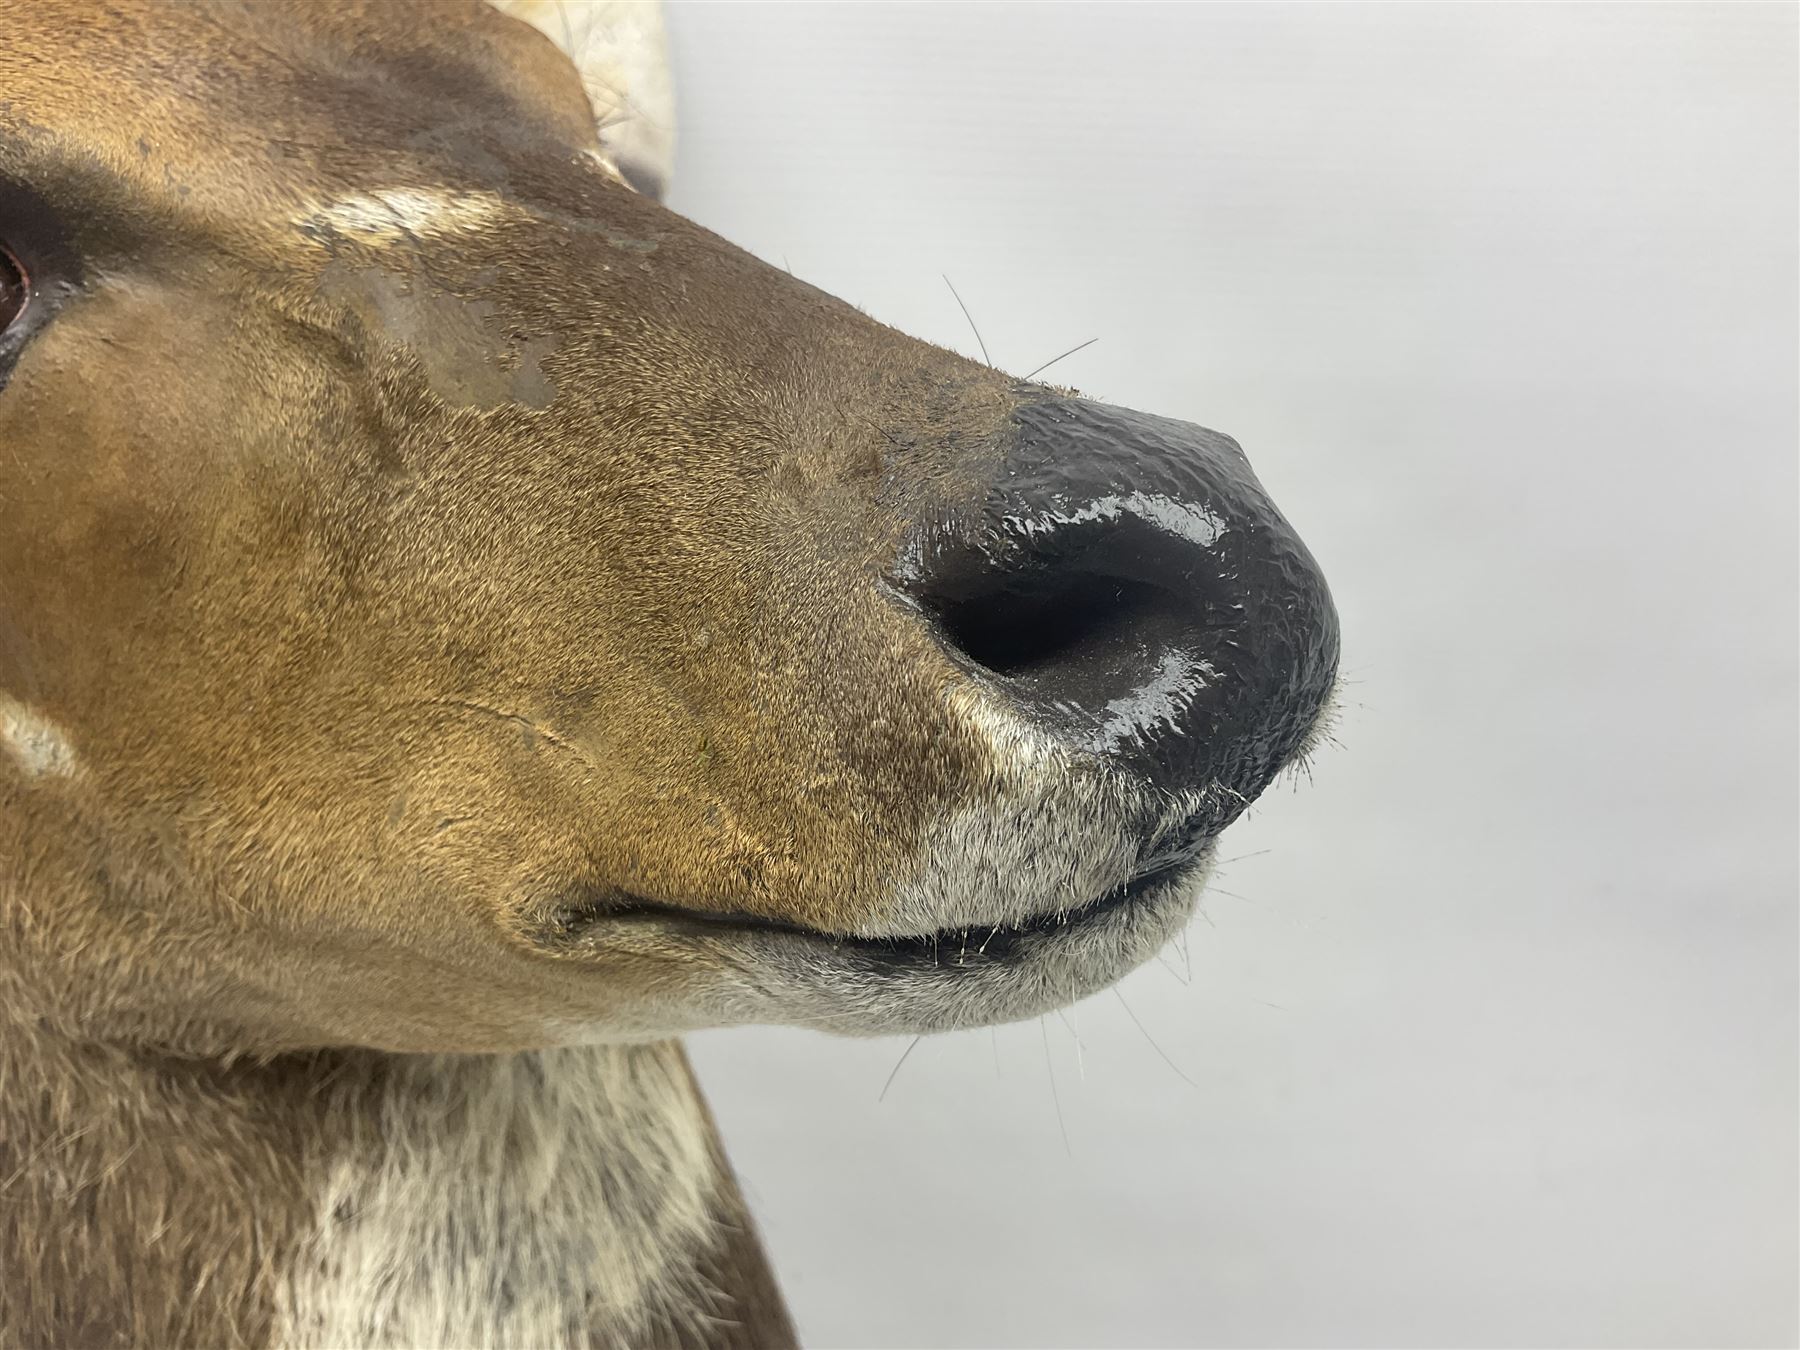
(619, 49)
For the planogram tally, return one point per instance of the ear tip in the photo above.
(622, 53)
(648, 179)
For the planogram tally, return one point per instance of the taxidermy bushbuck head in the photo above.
(463, 626)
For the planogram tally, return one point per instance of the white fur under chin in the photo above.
(509, 1201)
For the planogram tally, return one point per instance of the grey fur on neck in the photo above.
(562, 1198)
(507, 1201)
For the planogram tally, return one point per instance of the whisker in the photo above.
(1055, 1096)
(971, 318)
(1226, 862)
(1179, 978)
(895, 1071)
(1053, 360)
(1152, 1040)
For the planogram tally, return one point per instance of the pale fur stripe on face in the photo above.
(622, 54)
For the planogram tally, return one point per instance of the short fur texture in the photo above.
(449, 648)
(513, 1202)
(170, 1172)
(333, 1199)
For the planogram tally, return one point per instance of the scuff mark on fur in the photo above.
(36, 744)
(399, 215)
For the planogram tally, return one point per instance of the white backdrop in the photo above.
(1491, 1036)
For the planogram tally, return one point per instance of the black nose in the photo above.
(1130, 587)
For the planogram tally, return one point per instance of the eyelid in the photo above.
(34, 235)
(34, 242)
(14, 277)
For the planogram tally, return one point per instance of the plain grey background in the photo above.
(1490, 1036)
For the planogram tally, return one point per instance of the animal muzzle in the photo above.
(1127, 587)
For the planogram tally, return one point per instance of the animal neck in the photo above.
(557, 1198)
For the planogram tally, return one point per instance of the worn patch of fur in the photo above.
(37, 745)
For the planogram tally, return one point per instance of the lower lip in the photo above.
(979, 946)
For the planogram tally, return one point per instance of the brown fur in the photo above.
(440, 657)
(395, 592)
(151, 1200)
(425, 564)
(749, 1312)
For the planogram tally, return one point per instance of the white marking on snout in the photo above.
(1012, 743)
(395, 215)
(36, 743)
(1046, 832)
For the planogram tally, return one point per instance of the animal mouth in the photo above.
(975, 946)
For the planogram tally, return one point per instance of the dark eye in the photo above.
(15, 288)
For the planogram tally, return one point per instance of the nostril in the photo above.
(1024, 626)
(1099, 629)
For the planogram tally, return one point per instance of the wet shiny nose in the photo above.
(1129, 586)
